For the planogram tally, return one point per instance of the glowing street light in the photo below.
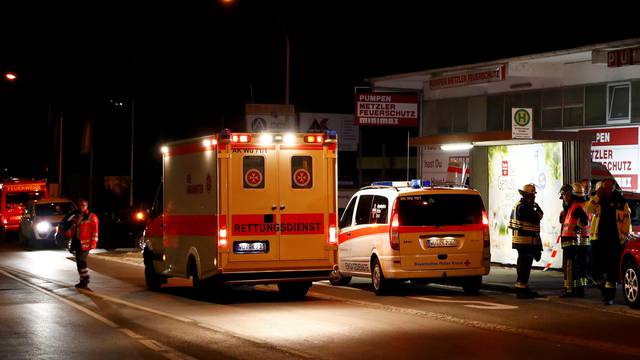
(11, 76)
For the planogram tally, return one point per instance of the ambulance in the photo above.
(393, 232)
(14, 195)
(246, 208)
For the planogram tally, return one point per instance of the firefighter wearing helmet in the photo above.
(574, 238)
(525, 225)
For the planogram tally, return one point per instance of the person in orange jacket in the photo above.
(85, 238)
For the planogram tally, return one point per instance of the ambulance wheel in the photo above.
(381, 286)
(631, 284)
(472, 284)
(341, 280)
(153, 280)
(295, 290)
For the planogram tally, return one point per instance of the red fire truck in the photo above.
(14, 195)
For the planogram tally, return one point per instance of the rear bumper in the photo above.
(275, 277)
(393, 270)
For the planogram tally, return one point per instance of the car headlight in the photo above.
(43, 227)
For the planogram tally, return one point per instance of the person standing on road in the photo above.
(574, 238)
(610, 228)
(525, 225)
(85, 238)
(585, 255)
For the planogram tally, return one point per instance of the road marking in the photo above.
(151, 344)
(535, 334)
(327, 284)
(468, 303)
(130, 333)
(94, 315)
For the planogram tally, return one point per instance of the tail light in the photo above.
(242, 138)
(139, 216)
(394, 230)
(333, 239)
(222, 237)
(485, 230)
(313, 138)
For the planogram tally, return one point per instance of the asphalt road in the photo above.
(43, 315)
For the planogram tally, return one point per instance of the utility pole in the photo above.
(132, 138)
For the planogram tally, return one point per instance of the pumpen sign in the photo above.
(618, 151)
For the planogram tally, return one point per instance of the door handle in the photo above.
(281, 206)
(273, 207)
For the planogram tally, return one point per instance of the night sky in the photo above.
(191, 65)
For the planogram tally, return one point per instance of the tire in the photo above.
(341, 280)
(472, 285)
(153, 280)
(295, 290)
(381, 286)
(630, 283)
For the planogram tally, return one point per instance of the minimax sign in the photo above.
(386, 109)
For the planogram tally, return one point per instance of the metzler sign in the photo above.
(386, 109)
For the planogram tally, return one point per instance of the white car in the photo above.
(394, 233)
(39, 224)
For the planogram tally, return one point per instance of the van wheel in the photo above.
(631, 281)
(295, 290)
(381, 286)
(153, 280)
(341, 280)
(471, 285)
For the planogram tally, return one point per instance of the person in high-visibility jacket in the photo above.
(610, 227)
(573, 237)
(525, 225)
(85, 238)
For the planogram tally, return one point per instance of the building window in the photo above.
(495, 113)
(595, 105)
(573, 106)
(552, 109)
(618, 103)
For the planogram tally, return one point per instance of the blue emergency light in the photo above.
(415, 183)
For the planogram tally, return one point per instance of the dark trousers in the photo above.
(81, 263)
(574, 266)
(606, 258)
(525, 260)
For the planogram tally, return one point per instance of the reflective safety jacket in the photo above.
(525, 224)
(575, 226)
(87, 231)
(623, 215)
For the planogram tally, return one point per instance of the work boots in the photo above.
(83, 284)
(526, 293)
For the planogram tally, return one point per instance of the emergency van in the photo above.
(14, 195)
(247, 208)
(393, 232)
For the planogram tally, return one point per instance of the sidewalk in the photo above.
(503, 278)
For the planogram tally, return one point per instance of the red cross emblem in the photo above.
(301, 177)
(253, 177)
(467, 262)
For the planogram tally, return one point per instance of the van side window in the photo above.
(363, 213)
(253, 172)
(301, 172)
(379, 210)
(347, 215)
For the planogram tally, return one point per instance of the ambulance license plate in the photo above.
(443, 242)
(251, 247)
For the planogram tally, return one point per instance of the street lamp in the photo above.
(11, 76)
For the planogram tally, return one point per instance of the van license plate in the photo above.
(443, 242)
(251, 247)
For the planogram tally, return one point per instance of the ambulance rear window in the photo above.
(301, 172)
(253, 172)
(440, 210)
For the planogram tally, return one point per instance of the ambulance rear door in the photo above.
(307, 195)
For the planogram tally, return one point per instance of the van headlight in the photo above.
(43, 227)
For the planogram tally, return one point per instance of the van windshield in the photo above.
(440, 210)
